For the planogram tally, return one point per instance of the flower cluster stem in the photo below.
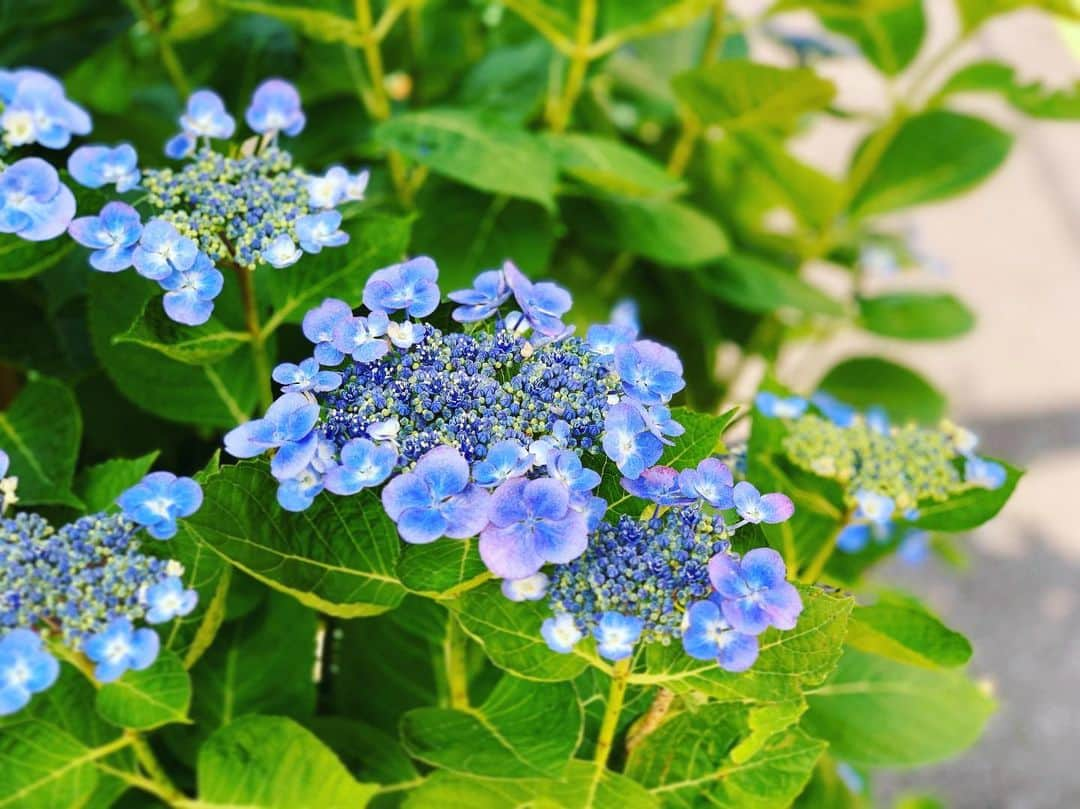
(817, 564)
(620, 675)
(169, 59)
(259, 357)
(559, 114)
(148, 761)
(457, 677)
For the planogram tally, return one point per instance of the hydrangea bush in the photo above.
(474, 506)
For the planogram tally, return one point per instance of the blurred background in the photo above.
(1013, 249)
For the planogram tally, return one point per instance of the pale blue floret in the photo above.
(542, 304)
(318, 230)
(305, 377)
(627, 440)
(159, 500)
(488, 293)
(649, 372)
(530, 523)
(168, 599)
(287, 427)
(780, 407)
(531, 588)
(162, 250)
(363, 338)
(436, 499)
(113, 235)
(840, 414)
(984, 473)
(561, 633)
(34, 204)
(364, 464)
(504, 460)
(616, 635)
(329, 190)
(755, 507)
(190, 293)
(708, 636)
(410, 286)
(754, 591)
(319, 325)
(205, 116)
(275, 107)
(660, 484)
(120, 647)
(35, 110)
(97, 166)
(711, 482)
(282, 252)
(26, 668)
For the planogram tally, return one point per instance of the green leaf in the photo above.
(583, 786)
(755, 285)
(40, 432)
(703, 436)
(932, 156)
(438, 569)
(500, 738)
(478, 150)
(916, 316)
(881, 713)
(740, 94)
(974, 13)
(376, 239)
(367, 751)
(20, 258)
(192, 345)
(971, 508)
(207, 573)
(320, 24)
(632, 19)
(788, 661)
(269, 762)
(903, 629)
(469, 231)
(509, 633)
(666, 231)
(339, 556)
(611, 166)
(143, 700)
(218, 395)
(1033, 98)
(98, 486)
(889, 34)
(863, 382)
(688, 762)
(45, 767)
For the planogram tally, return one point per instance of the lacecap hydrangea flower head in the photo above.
(238, 207)
(493, 430)
(887, 470)
(34, 111)
(82, 588)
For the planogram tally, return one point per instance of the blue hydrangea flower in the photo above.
(711, 481)
(330, 190)
(561, 633)
(5, 462)
(616, 635)
(305, 377)
(603, 339)
(565, 466)
(984, 473)
(531, 588)
(874, 508)
(363, 338)
(436, 499)
(660, 484)
(488, 293)
(531, 523)
(364, 464)
(754, 591)
(168, 599)
(120, 647)
(557, 439)
(542, 304)
(180, 146)
(649, 372)
(35, 110)
(853, 537)
(357, 185)
(299, 492)
(405, 335)
(504, 460)
(205, 116)
(25, 669)
(318, 230)
(627, 440)
(275, 107)
(34, 204)
(282, 252)
(840, 414)
(190, 293)
(780, 407)
(914, 548)
(113, 234)
(755, 507)
(319, 325)
(287, 426)
(877, 420)
(162, 250)
(659, 422)
(410, 286)
(708, 636)
(97, 166)
(159, 500)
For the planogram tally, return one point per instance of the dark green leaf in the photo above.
(1033, 98)
(612, 167)
(193, 345)
(439, 568)
(971, 508)
(903, 629)
(147, 699)
(916, 316)
(867, 381)
(755, 285)
(98, 486)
